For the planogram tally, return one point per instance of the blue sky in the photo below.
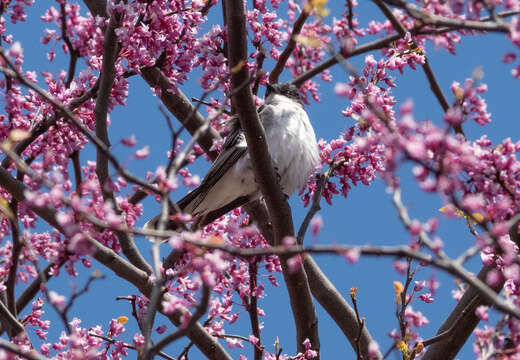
(366, 216)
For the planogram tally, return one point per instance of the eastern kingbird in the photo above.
(230, 182)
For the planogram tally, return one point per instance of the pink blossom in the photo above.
(142, 153)
(427, 298)
(373, 349)
(129, 141)
(57, 299)
(352, 255)
(316, 224)
(161, 329)
(482, 312)
(419, 285)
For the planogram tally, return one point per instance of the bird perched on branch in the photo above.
(230, 182)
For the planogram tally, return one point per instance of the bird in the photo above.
(230, 181)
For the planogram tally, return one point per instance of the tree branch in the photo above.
(463, 319)
(279, 211)
(284, 56)
(436, 20)
(10, 322)
(338, 308)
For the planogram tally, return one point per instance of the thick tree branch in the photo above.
(97, 7)
(279, 210)
(464, 319)
(107, 78)
(338, 308)
(10, 322)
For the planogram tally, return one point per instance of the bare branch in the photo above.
(110, 48)
(97, 7)
(14, 327)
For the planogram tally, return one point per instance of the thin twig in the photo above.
(284, 56)
(126, 345)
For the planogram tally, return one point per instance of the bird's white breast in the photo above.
(291, 141)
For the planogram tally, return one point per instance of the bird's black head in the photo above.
(285, 89)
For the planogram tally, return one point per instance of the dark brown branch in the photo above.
(462, 319)
(15, 257)
(259, 65)
(338, 308)
(30, 291)
(252, 308)
(97, 7)
(315, 205)
(361, 49)
(380, 44)
(444, 263)
(10, 322)
(291, 45)
(448, 333)
(106, 82)
(77, 171)
(360, 323)
(279, 210)
(107, 78)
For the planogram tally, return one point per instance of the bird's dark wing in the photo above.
(233, 149)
